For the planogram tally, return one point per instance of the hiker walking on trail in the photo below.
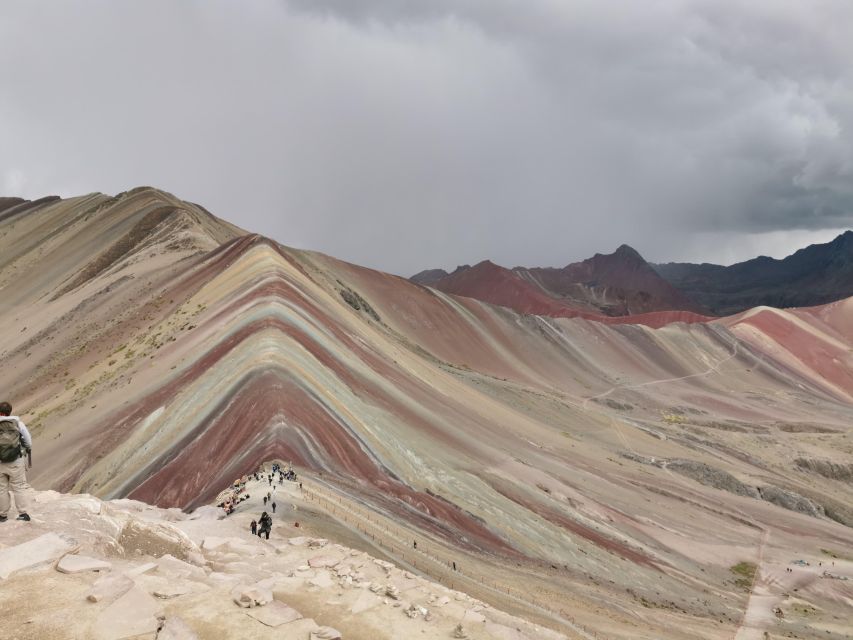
(15, 443)
(265, 525)
(254, 527)
(265, 500)
(273, 507)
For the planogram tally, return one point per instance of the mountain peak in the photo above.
(627, 252)
(429, 276)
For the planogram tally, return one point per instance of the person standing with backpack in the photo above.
(15, 443)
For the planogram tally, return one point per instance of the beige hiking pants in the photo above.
(13, 478)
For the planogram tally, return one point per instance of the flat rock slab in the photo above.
(472, 616)
(300, 628)
(110, 587)
(140, 569)
(364, 602)
(282, 587)
(170, 566)
(322, 580)
(325, 633)
(133, 614)
(176, 629)
(274, 614)
(319, 562)
(78, 564)
(211, 542)
(42, 550)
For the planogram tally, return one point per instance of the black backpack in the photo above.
(10, 441)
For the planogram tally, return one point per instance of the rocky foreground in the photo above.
(106, 570)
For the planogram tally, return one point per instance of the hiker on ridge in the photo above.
(265, 525)
(15, 443)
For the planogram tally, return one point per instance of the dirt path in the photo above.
(709, 371)
(759, 606)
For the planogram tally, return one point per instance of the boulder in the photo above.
(44, 549)
(459, 632)
(274, 614)
(392, 592)
(325, 633)
(154, 539)
(78, 564)
(251, 596)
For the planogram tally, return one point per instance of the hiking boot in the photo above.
(23, 516)
(3, 518)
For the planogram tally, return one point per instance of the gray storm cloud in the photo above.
(405, 135)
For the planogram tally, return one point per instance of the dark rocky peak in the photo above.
(428, 276)
(626, 252)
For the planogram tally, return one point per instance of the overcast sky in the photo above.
(428, 133)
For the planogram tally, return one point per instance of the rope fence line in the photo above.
(428, 556)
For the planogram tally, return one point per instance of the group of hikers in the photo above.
(264, 526)
(15, 445)
(238, 492)
(233, 495)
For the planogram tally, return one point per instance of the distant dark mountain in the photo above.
(617, 284)
(818, 274)
(429, 276)
(498, 285)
